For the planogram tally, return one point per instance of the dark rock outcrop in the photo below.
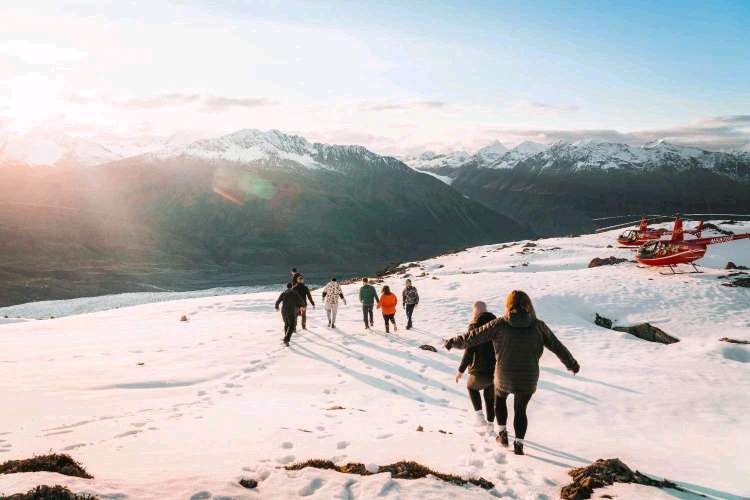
(605, 472)
(645, 331)
(608, 261)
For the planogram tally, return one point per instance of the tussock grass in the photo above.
(48, 493)
(398, 470)
(60, 463)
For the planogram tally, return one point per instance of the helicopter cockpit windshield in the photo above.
(653, 249)
(629, 235)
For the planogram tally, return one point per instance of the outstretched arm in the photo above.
(281, 297)
(466, 360)
(553, 344)
(477, 336)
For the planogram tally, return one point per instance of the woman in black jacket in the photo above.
(480, 360)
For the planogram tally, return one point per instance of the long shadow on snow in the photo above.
(586, 379)
(571, 393)
(699, 492)
(405, 355)
(369, 379)
(385, 365)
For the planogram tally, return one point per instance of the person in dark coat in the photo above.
(410, 299)
(290, 301)
(304, 292)
(295, 276)
(519, 339)
(480, 360)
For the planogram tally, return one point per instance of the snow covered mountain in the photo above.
(434, 161)
(214, 399)
(593, 155)
(62, 149)
(254, 201)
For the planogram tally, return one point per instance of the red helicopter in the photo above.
(637, 237)
(678, 250)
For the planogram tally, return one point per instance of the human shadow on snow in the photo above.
(398, 370)
(370, 380)
(564, 374)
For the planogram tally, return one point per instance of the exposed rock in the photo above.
(648, 332)
(732, 265)
(428, 347)
(645, 331)
(250, 484)
(398, 470)
(529, 245)
(183, 318)
(608, 261)
(739, 282)
(420, 429)
(733, 341)
(602, 321)
(605, 473)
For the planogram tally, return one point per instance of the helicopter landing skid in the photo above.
(673, 272)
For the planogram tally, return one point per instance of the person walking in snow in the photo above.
(290, 301)
(331, 295)
(410, 300)
(368, 296)
(295, 276)
(480, 360)
(519, 339)
(387, 304)
(304, 292)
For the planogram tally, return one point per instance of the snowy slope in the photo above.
(217, 397)
(58, 148)
(596, 155)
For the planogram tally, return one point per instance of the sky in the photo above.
(398, 77)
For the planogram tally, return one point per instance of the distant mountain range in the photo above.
(558, 189)
(248, 202)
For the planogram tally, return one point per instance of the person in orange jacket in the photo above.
(387, 304)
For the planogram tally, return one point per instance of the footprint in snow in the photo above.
(128, 433)
(286, 459)
(311, 487)
(74, 446)
(287, 445)
(342, 444)
(383, 436)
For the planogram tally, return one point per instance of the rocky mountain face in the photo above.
(559, 190)
(249, 202)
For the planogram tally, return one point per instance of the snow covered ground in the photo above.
(159, 408)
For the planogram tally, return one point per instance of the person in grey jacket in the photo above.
(519, 339)
(410, 299)
(480, 360)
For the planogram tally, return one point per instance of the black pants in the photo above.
(520, 402)
(409, 313)
(391, 318)
(367, 315)
(489, 401)
(290, 323)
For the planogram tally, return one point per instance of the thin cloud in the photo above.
(716, 133)
(218, 103)
(401, 106)
(545, 107)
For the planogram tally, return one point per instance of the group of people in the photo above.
(502, 357)
(294, 301)
(501, 353)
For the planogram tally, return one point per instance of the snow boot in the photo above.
(502, 438)
(518, 447)
(490, 429)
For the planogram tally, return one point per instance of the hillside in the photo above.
(217, 398)
(559, 189)
(234, 210)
